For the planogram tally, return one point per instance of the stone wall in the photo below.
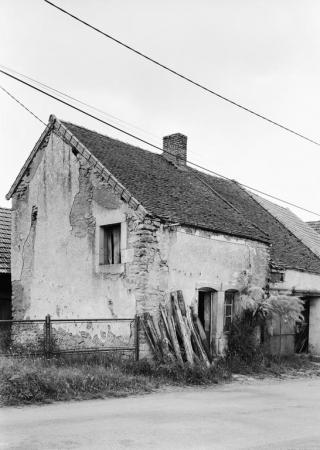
(58, 209)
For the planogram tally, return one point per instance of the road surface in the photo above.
(262, 415)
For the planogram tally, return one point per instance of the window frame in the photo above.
(110, 244)
(277, 276)
(228, 304)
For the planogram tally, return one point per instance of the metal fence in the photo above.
(55, 336)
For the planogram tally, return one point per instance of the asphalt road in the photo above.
(258, 415)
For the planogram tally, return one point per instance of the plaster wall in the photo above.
(54, 255)
(298, 280)
(201, 260)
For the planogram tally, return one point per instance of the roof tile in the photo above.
(164, 190)
(183, 197)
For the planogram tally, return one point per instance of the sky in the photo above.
(262, 54)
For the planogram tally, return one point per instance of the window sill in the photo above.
(111, 268)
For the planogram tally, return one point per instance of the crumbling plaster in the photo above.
(54, 260)
(56, 257)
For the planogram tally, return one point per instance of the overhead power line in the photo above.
(74, 99)
(38, 118)
(142, 140)
(183, 76)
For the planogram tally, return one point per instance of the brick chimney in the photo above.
(175, 149)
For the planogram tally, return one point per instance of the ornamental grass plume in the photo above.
(265, 309)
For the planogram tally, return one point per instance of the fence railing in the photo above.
(54, 336)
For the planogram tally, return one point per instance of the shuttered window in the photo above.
(110, 252)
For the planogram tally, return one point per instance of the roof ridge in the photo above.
(107, 136)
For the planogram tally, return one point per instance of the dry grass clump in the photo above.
(32, 380)
(89, 376)
(84, 376)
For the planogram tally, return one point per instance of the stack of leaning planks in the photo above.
(178, 334)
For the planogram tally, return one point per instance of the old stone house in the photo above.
(5, 270)
(102, 228)
(105, 229)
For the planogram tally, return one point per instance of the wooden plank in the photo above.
(203, 337)
(179, 320)
(182, 303)
(164, 315)
(147, 333)
(151, 334)
(201, 352)
(154, 334)
(164, 341)
(173, 335)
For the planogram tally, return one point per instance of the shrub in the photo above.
(254, 312)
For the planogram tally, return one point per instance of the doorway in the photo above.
(301, 342)
(205, 312)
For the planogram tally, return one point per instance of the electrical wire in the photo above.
(23, 106)
(77, 101)
(151, 145)
(201, 157)
(182, 76)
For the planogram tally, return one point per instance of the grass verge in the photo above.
(84, 376)
(89, 376)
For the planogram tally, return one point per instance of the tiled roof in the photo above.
(209, 202)
(5, 240)
(287, 249)
(181, 197)
(163, 190)
(315, 225)
(299, 228)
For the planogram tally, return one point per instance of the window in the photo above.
(110, 250)
(276, 277)
(228, 309)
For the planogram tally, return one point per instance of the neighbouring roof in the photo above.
(5, 240)
(293, 223)
(315, 225)
(290, 248)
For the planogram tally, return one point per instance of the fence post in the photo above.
(47, 338)
(137, 323)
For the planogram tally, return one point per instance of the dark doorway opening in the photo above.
(204, 312)
(5, 296)
(301, 344)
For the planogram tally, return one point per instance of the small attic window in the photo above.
(276, 277)
(110, 250)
